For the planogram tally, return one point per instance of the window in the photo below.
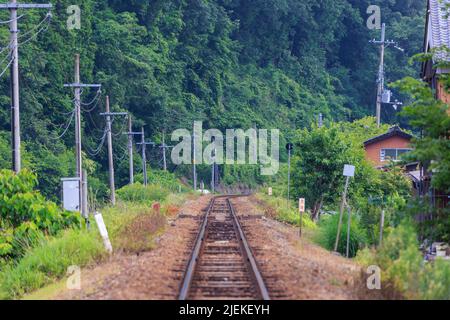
(392, 154)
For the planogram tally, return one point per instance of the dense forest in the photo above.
(230, 63)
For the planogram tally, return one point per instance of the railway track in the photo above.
(222, 265)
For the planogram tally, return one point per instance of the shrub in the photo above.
(326, 236)
(403, 268)
(162, 178)
(25, 215)
(139, 193)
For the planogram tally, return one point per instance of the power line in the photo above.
(47, 16)
(97, 95)
(67, 127)
(6, 68)
(97, 151)
(11, 20)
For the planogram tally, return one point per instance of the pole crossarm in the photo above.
(25, 6)
(133, 133)
(146, 143)
(112, 114)
(82, 85)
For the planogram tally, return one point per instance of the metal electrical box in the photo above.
(71, 194)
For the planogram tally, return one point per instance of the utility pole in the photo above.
(381, 90)
(108, 114)
(13, 6)
(194, 159)
(144, 145)
(130, 149)
(77, 85)
(130, 135)
(164, 147)
(213, 169)
(381, 74)
(289, 148)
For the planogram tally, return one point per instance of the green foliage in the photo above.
(431, 117)
(274, 64)
(164, 179)
(25, 215)
(142, 194)
(279, 209)
(320, 156)
(403, 268)
(48, 261)
(326, 236)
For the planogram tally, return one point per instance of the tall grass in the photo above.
(279, 209)
(403, 268)
(138, 193)
(49, 261)
(132, 226)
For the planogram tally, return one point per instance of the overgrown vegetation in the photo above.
(273, 64)
(48, 261)
(42, 241)
(403, 268)
(278, 208)
(327, 231)
(26, 217)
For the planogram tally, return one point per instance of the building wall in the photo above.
(442, 94)
(373, 150)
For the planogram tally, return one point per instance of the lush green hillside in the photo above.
(231, 63)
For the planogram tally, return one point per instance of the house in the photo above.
(437, 31)
(437, 42)
(387, 147)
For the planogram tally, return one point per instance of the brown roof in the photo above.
(392, 132)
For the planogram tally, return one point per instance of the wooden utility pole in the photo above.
(381, 74)
(194, 159)
(164, 148)
(213, 170)
(289, 148)
(108, 115)
(130, 135)
(144, 158)
(77, 85)
(112, 185)
(381, 90)
(130, 149)
(13, 6)
(144, 145)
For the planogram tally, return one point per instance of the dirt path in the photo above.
(293, 270)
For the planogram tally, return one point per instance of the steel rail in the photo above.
(264, 293)
(194, 257)
(189, 274)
